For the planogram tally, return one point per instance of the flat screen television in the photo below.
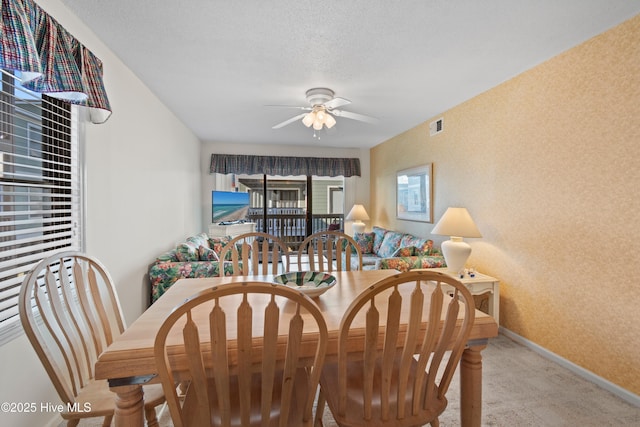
(229, 206)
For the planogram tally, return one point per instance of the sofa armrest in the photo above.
(164, 274)
(411, 262)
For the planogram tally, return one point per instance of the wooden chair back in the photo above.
(250, 380)
(329, 251)
(255, 253)
(70, 312)
(396, 379)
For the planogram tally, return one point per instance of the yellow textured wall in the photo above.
(548, 165)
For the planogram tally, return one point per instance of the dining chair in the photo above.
(70, 312)
(329, 251)
(397, 371)
(255, 253)
(242, 375)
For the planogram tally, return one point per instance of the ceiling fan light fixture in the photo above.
(309, 119)
(329, 121)
(323, 110)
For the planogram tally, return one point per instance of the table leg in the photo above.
(129, 406)
(471, 384)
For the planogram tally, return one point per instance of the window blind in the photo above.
(40, 189)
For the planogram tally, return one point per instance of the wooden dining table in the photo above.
(128, 363)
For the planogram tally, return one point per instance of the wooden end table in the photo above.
(478, 285)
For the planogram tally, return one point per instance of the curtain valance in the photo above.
(50, 60)
(284, 166)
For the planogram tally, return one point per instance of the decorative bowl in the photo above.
(311, 283)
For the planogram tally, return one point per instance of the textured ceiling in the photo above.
(218, 65)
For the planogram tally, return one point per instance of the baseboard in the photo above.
(624, 394)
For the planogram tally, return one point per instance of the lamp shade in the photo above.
(357, 213)
(456, 222)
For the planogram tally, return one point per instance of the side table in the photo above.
(478, 285)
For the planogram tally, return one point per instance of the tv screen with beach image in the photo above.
(229, 206)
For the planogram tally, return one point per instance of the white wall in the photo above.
(143, 189)
(356, 188)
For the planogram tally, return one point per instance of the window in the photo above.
(40, 189)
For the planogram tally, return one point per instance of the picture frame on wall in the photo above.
(414, 194)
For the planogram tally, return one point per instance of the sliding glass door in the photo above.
(292, 207)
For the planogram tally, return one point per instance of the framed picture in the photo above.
(414, 194)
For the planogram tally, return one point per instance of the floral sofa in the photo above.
(196, 257)
(388, 249)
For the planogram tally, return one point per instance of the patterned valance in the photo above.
(284, 166)
(50, 60)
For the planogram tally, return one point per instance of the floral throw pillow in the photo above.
(187, 252)
(390, 244)
(427, 249)
(411, 240)
(378, 236)
(199, 240)
(405, 251)
(207, 254)
(365, 242)
(217, 243)
(423, 246)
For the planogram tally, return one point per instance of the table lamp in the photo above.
(457, 223)
(358, 214)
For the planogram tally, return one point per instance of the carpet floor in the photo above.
(522, 388)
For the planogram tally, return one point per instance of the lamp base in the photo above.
(456, 252)
(358, 227)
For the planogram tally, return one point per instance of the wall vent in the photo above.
(436, 126)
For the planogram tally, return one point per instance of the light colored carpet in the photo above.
(521, 388)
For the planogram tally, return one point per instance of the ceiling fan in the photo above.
(323, 107)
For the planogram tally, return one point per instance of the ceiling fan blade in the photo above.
(291, 120)
(336, 103)
(354, 116)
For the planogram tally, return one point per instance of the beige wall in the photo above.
(548, 165)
